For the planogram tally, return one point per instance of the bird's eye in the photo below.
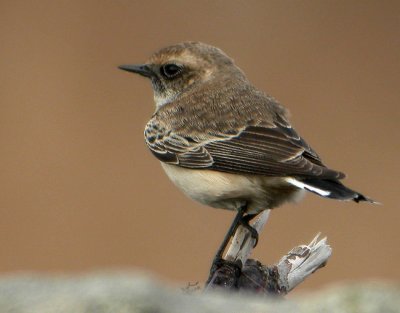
(171, 70)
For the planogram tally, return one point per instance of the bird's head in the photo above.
(177, 69)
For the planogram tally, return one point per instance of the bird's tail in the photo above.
(330, 188)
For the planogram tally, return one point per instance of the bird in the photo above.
(225, 143)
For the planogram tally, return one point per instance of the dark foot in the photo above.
(245, 223)
(224, 274)
(215, 266)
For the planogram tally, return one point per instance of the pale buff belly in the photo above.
(230, 191)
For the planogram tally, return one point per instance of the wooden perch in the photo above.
(291, 270)
(242, 243)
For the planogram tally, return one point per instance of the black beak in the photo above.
(141, 69)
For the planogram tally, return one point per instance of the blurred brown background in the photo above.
(80, 191)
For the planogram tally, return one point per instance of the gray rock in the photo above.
(124, 292)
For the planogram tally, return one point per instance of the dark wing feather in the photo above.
(171, 148)
(257, 150)
(270, 152)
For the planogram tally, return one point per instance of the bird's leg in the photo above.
(231, 231)
(245, 223)
(238, 220)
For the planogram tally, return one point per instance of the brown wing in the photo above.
(273, 150)
(270, 152)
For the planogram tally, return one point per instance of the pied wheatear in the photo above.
(225, 143)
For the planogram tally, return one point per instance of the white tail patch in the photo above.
(302, 185)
